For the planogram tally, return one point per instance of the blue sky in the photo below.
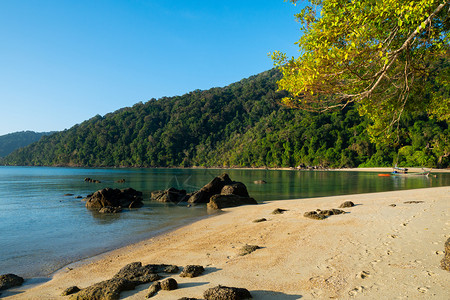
(64, 61)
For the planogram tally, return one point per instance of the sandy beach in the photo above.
(374, 251)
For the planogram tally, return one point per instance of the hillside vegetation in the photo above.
(12, 141)
(241, 125)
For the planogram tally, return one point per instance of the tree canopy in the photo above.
(240, 125)
(388, 56)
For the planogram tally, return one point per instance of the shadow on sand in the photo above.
(269, 295)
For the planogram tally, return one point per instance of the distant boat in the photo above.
(404, 172)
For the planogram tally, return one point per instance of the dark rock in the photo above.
(110, 210)
(314, 215)
(171, 269)
(126, 279)
(247, 249)
(331, 212)
(120, 181)
(413, 202)
(105, 290)
(445, 262)
(68, 195)
(137, 273)
(393, 205)
(153, 289)
(79, 197)
(192, 271)
(115, 198)
(187, 298)
(170, 195)
(70, 290)
(347, 204)
(87, 179)
(259, 182)
(278, 211)
(169, 284)
(224, 201)
(10, 280)
(237, 188)
(212, 188)
(226, 293)
(259, 220)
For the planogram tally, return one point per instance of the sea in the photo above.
(44, 224)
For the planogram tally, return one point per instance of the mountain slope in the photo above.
(12, 141)
(241, 125)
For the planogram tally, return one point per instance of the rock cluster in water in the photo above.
(221, 192)
(110, 200)
(87, 179)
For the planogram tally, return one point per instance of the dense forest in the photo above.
(241, 125)
(12, 141)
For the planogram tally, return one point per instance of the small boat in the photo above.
(404, 172)
(384, 175)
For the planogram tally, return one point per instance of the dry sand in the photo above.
(375, 251)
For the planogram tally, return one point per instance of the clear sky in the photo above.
(64, 61)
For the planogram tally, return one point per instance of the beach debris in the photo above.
(259, 220)
(259, 182)
(70, 290)
(87, 179)
(314, 215)
(347, 204)
(192, 271)
(413, 202)
(153, 289)
(128, 197)
(223, 292)
(445, 262)
(278, 211)
(169, 284)
(187, 298)
(247, 249)
(393, 205)
(224, 201)
(169, 195)
(10, 280)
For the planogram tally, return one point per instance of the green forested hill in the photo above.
(241, 125)
(12, 141)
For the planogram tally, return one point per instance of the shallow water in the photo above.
(42, 230)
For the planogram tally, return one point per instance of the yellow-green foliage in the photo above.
(378, 53)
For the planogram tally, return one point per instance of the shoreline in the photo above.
(347, 256)
(368, 169)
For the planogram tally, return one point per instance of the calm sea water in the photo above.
(42, 230)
